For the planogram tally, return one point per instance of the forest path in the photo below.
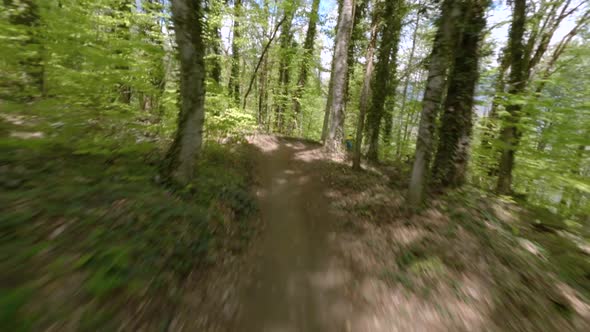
(298, 281)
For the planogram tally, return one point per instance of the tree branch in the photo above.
(272, 37)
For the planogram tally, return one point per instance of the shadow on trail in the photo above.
(339, 253)
(298, 281)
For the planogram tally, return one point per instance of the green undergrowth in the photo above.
(89, 238)
(540, 238)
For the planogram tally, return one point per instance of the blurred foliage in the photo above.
(553, 160)
(86, 225)
(80, 206)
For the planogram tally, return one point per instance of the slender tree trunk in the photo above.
(510, 134)
(450, 164)
(234, 79)
(356, 35)
(261, 59)
(263, 93)
(365, 95)
(215, 42)
(409, 70)
(433, 94)
(384, 72)
(412, 117)
(326, 123)
(285, 40)
(336, 105)
(327, 114)
(308, 46)
(263, 76)
(188, 27)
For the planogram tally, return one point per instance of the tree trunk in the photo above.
(263, 76)
(262, 59)
(215, 41)
(450, 164)
(433, 94)
(263, 94)
(356, 35)
(285, 41)
(365, 96)
(234, 79)
(509, 134)
(308, 46)
(335, 133)
(384, 72)
(408, 75)
(412, 117)
(327, 114)
(188, 27)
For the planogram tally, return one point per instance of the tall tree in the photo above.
(408, 76)
(365, 94)
(285, 41)
(234, 78)
(308, 47)
(540, 27)
(437, 70)
(188, 27)
(392, 13)
(519, 68)
(263, 75)
(337, 99)
(450, 164)
(326, 123)
(214, 18)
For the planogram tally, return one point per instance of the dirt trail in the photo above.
(298, 282)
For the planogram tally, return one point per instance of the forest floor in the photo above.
(339, 251)
(91, 241)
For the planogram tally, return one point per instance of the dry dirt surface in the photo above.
(336, 252)
(298, 281)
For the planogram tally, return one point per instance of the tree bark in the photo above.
(285, 40)
(365, 95)
(509, 134)
(215, 41)
(450, 164)
(327, 114)
(384, 72)
(408, 75)
(234, 79)
(262, 59)
(433, 94)
(308, 47)
(337, 101)
(188, 28)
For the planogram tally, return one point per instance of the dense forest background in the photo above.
(110, 107)
(109, 69)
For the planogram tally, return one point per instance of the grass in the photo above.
(89, 235)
